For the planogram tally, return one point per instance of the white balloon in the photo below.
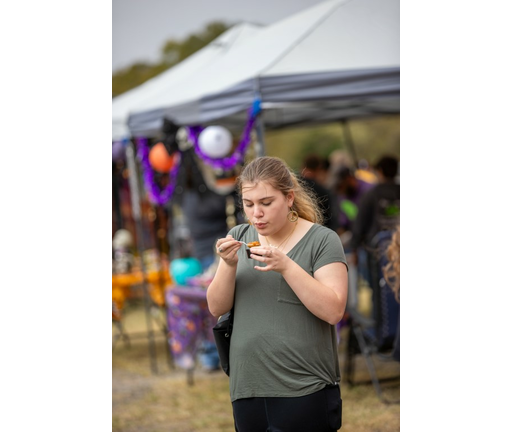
(215, 141)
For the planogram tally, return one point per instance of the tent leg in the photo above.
(135, 198)
(260, 133)
(259, 124)
(116, 198)
(348, 138)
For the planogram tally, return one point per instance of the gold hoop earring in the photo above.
(292, 216)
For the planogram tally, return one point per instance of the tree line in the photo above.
(173, 52)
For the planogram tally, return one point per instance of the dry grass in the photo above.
(147, 402)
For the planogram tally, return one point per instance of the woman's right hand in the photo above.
(220, 292)
(227, 249)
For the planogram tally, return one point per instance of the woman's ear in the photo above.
(290, 198)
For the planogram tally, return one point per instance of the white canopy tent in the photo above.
(337, 60)
(124, 104)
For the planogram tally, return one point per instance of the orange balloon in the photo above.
(159, 159)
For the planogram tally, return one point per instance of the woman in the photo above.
(288, 297)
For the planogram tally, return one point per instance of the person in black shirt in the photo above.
(379, 208)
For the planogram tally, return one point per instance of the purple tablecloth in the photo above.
(189, 322)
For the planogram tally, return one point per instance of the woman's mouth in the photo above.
(260, 225)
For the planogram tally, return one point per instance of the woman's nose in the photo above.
(258, 211)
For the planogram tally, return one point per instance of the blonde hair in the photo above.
(391, 270)
(277, 174)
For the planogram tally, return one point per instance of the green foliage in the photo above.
(133, 76)
(371, 138)
(173, 52)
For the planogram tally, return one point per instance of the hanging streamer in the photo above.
(155, 195)
(162, 197)
(237, 157)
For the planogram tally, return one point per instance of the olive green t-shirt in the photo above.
(279, 348)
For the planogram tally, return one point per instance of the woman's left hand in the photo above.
(274, 259)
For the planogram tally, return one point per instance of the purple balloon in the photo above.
(118, 152)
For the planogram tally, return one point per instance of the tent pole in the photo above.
(260, 133)
(116, 198)
(259, 124)
(135, 198)
(349, 140)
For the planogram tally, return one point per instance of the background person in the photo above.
(349, 189)
(204, 219)
(379, 208)
(314, 175)
(288, 297)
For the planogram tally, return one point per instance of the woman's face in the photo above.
(266, 208)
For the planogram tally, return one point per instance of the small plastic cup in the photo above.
(248, 250)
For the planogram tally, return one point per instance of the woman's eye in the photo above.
(263, 203)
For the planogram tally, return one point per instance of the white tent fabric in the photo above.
(336, 60)
(125, 103)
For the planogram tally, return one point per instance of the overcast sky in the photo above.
(141, 27)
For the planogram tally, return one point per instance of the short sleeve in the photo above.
(328, 249)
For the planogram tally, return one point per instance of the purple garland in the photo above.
(161, 197)
(155, 195)
(238, 155)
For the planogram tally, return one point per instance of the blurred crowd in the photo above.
(359, 200)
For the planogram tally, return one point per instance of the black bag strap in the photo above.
(243, 231)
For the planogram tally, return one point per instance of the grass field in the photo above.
(172, 400)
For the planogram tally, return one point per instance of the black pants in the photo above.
(317, 412)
